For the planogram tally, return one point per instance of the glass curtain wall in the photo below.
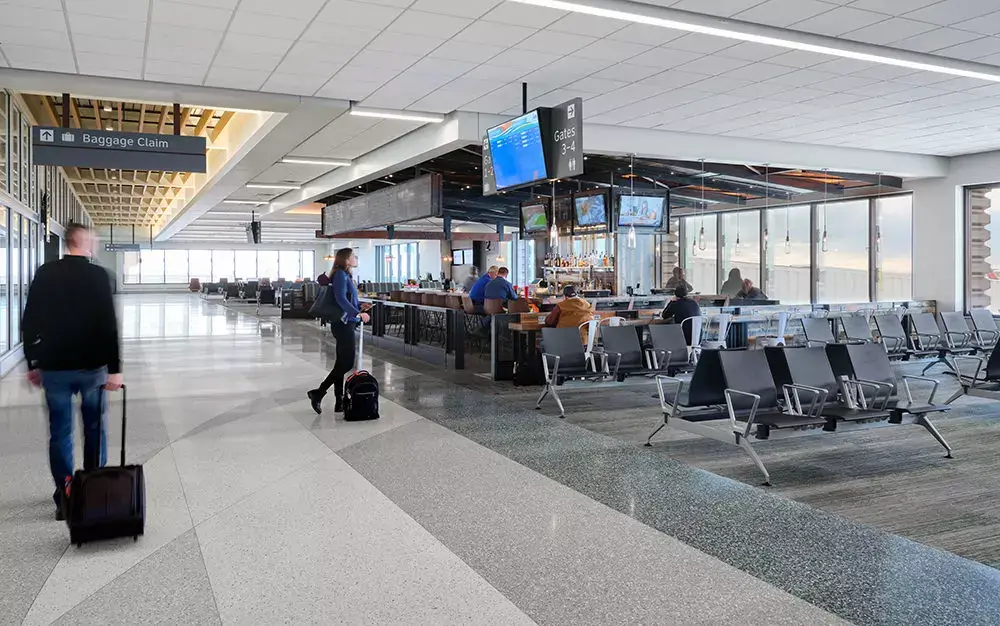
(169, 266)
(5, 282)
(699, 252)
(982, 264)
(397, 263)
(824, 252)
(787, 259)
(740, 250)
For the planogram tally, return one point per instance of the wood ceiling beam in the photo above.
(142, 117)
(74, 112)
(97, 114)
(206, 117)
(221, 125)
(163, 120)
(50, 109)
(185, 114)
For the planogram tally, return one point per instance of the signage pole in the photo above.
(65, 110)
(524, 98)
(177, 118)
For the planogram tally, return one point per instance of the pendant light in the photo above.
(826, 182)
(554, 230)
(702, 244)
(736, 248)
(631, 239)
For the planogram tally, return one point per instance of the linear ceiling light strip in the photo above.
(650, 20)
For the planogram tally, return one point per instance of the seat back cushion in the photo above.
(857, 327)
(818, 329)
(925, 324)
(810, 366)
(621, 340)
(982, 319)
(708, 384)
(747, 371)
(670, 337)
(565, 343)
(870, 362)
(890, 326)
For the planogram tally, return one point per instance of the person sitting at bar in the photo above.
(471, 279)
(478, 292)
(500, 288)
(679, 279)
(733, 284)
(749, 292)
(571, 312)
(681, 308)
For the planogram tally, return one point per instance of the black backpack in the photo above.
(360, 397)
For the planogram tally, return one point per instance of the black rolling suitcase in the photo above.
(108, 502)
(360, 390)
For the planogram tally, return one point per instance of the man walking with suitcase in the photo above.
(71, 344)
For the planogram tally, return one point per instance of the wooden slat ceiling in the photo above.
(128, 197)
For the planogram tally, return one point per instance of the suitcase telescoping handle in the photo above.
(124, 416)
(361, 344)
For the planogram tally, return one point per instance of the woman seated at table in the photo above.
(681, 308)
(571, 312)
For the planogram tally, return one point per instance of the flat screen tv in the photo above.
(533, 218)
(641, 211)
(591, 210)
(517, 151)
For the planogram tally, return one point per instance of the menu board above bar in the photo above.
(415, 199)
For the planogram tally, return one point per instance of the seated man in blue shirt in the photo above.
(478, 292)
(500, 288)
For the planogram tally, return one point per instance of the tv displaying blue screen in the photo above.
(591, 210)
(518, 154)
(641, 211)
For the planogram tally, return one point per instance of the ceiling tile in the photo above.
(972, 50)
(442, 67)
(593, 85)
(359, 73)
(498, 73)
(611, 50)
(725, 8)
(347, 89)
(174, 68)
(358, 14)
(162, 38)
(465, 51)
(428, 24)
(96, 26)
(265, 25)
(343, 34)
(176, 14)
(21, 15)
(706, 44)
(646, 34)
(580, 24)
(889, 31)
(935, 39)
(252, 44)
(751, 51)
(797, 58)
(518, 14)
(57, 39)
(951, 11)
(29, 57)
(299, 9)
(136, 10)
(555, 42)
(523, 59)
(298, 84)
(627, 72)
(759, 71)
(465, 8)
(107, 45)
(664, 58)
(712, 65)
(783, 12)
(984, 24)
(495, 34)
(892, 7)
(413, 45)
(246, 60)
(91, 63)
(839, 21)
(384, 60)
(236, 78)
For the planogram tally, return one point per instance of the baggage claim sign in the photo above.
(76, 147)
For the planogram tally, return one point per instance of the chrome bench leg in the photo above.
(756, 459)
(649, 440)
(926, 423)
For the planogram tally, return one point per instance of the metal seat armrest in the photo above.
(550, 371)
(935, 340)
(794, 401)
(991, 337)
(816, 342)
(751, 418)
(906, 385)
(618, 363)
(879, 388)
(661, 383)
(898, 343)
(963, 377)
(962, 341)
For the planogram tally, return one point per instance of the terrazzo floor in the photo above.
(454, 508)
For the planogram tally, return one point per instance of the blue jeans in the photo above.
(60, 387)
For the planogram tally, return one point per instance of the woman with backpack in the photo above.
(347, 316)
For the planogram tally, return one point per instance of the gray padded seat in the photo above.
(670, 347)
(818, 330)
(624, 341)
(856, 328)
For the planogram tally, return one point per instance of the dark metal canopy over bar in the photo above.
(719, 187)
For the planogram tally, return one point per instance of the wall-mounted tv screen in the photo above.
(517, 151)
(591, 210)
(641, 211)
(533, 218)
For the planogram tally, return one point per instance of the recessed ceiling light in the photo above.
(391, 114)
(316, 161)
(647, 16)
(107, 108)
(273, 186)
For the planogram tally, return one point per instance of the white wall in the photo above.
(430, 258)
(939, 229)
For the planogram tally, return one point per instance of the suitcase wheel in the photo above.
(135, 538)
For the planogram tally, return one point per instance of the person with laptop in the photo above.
(681, 308)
